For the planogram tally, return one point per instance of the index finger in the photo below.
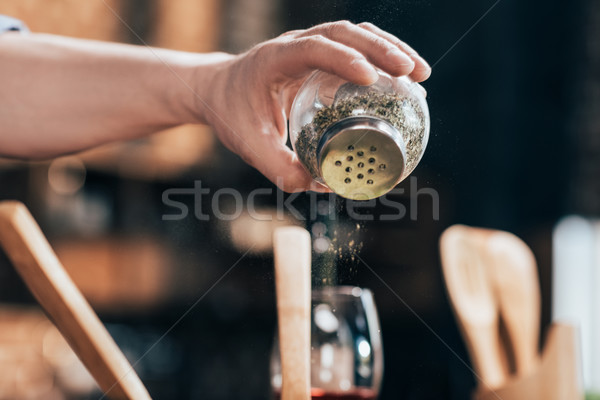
(300, 56)
(422, 69)
(378, 50)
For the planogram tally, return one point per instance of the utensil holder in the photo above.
(557, 377)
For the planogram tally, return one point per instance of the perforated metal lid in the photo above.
(361, 158)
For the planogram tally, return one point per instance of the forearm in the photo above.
(60, 95)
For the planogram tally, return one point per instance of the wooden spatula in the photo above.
(292, 248)
(473, 301)
(33, 258)
(515, 281)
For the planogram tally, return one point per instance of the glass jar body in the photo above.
(392, 112)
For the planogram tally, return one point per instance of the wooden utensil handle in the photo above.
(486, 352)
(33, 258)
(525, 350)
(556, 377)
(515, 280)
(292, 250)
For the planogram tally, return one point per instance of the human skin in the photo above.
(61, 95)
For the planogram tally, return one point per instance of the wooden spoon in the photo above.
(471, 294)
(292, 248)
(515, 281)
(33, 258)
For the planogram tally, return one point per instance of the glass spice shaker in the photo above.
(360, 141)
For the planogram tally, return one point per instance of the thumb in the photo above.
(282, 167)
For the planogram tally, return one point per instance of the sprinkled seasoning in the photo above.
(403, 113)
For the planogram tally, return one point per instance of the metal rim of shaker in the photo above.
(362, 122)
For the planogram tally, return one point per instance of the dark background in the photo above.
(514, 145)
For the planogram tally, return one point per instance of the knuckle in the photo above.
(311, 42)
(366, 25)
(345, 24)
(265, 49)
(295, 32)
(381, 42)
(338, 27)
(318, 39)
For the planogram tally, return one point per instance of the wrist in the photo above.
(202, 80)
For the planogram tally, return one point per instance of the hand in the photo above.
(251, 94)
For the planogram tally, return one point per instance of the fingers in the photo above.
(286, 171)
(302, 55)
(422, 70)
(281, 166)
(375, 48)
(366, 42)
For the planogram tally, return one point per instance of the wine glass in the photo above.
(346, 351)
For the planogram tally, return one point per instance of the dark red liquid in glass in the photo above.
(354, 394)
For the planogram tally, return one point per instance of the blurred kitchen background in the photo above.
(515, 145)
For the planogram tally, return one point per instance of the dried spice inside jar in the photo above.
(404, 113)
